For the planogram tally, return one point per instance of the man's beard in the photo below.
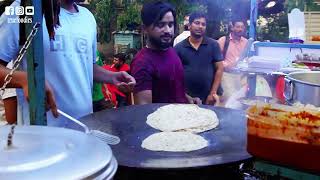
(159, 44)
(197, 36)
(117, 66)
(239, 34)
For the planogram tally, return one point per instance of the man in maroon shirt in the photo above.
(157, 68)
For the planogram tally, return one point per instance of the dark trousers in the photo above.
(101, 105)
(122, 101)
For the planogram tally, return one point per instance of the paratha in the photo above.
(183, 117)
(174, 142)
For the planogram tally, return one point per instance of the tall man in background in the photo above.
(202, 61)
(232, 46)
(185, 34)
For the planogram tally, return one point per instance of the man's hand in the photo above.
(192, 100)
(123, 81)
(213, 99)
(196, 100)
(108, 93)
(50, 99)
(20, 80)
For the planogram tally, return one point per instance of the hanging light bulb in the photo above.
(271, 4)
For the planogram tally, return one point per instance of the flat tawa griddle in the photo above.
(227, 143)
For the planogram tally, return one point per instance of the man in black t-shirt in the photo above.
(202, 61)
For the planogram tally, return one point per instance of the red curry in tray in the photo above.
(285, 135)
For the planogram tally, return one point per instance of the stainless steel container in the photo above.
(303, 87)
(40, 152)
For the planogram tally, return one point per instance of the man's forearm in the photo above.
(102, 75)
(226, 63)
(189, 98)
(216, 81)
(19, 78)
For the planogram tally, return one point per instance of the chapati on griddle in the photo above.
(174, 142)
(183, 117)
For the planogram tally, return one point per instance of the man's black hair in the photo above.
(153, 12)
(235, 20)
(121, 56)
(196, 15)
(186, 27)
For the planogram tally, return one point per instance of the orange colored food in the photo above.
(286, 136)
(315, 38)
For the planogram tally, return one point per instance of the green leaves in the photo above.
(308, 5)
(110, 16)
(129, 19)
(104, 12)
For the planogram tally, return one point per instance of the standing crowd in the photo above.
(192, 68)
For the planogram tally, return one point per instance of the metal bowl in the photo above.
(247, 102)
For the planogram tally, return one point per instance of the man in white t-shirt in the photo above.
(185, 34)
(70, 67)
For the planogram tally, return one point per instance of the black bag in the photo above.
(225, 47)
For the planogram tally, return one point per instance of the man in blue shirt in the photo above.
(202, 61)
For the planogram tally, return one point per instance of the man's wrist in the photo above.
(213, 93)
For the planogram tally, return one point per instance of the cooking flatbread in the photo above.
(174, 142)
(183, 117)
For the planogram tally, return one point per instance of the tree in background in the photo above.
(104, 12)
(273, 28)
(303, 5)
(222, 12)
(185, 7)
(130, 19)
(272, 23)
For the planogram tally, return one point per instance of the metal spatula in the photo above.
(108, 138)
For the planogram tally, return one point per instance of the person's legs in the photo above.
(230, 83)
(10, 106)
(122, 101)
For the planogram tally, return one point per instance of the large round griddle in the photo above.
(227, 143)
